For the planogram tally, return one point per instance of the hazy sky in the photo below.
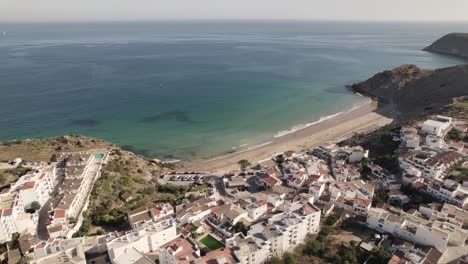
(86, 10)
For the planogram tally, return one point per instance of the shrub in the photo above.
(331, 220)
(126, 181)
(312, 248)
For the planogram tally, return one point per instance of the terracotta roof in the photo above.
(59, 213)
(270, 180)
(7, 212)
(138, 211)
(365, 202)
(54, 229)
(42, 176)
(155, 211)
(42, 245)
(28, 185)
(126, 195)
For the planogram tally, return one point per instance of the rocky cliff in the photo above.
(454, 44)
(414, 91)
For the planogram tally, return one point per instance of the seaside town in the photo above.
(330, 204)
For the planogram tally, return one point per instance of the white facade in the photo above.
(179, 251)
(247, 250)
(438, 127)
(35, 185)
(415, 229)
(256, 210)
(145, 239)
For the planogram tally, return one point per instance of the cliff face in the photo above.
(414, 91)
(455, 44)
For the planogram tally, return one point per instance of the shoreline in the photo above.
(341, 125)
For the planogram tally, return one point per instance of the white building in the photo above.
(194, 211)
(60, 251)
(432, 165)
(351, 189)
(143, 215)
(357, 153)
(34, 186)
(297, 220)
(415, 229)
(146, 238)
(409, 137)
(438, 126)
(247, 249)
(257, 209)
(179, 251)
(449, 191)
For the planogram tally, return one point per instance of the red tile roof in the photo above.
(59, 213)
(28, 185)
(270, 180)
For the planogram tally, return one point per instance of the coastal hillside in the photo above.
(415, 92)
(454, 44)
(125, 172)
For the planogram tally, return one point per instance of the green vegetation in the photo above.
(244, 164)
(85, 226)
(211, 243)
(455, 134)
(463, 173)
(287, 258)
(331, 220)
(419, 197)
(35, 205)
(312, 248)
(239, 227)
(380, 145)
(126, 181)
(13, 243)
(379, 197)
(18, 171)
(172, 189)
(462, 102)
(325, 249)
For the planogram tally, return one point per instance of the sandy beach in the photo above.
(362, 120)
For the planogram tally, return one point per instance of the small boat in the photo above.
(4, 33)
(161, 85)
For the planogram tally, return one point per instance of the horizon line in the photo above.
(229, 20)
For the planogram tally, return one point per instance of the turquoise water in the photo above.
(99, 156)
(194, 89)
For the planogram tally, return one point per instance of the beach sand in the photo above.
(363, 119)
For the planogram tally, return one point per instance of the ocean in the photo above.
(195, 89)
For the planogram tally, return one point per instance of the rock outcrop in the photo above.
(454, 44)
(414, 91)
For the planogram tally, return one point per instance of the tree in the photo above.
(244, 164)
(240, 227)
(454, 134)
(379, 256)
(331, 220)
(325, 231)
(35, 205)
(289, 258)
(312, 248)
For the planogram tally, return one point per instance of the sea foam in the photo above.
(321, 119)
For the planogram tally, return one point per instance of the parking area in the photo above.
(184, 178)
